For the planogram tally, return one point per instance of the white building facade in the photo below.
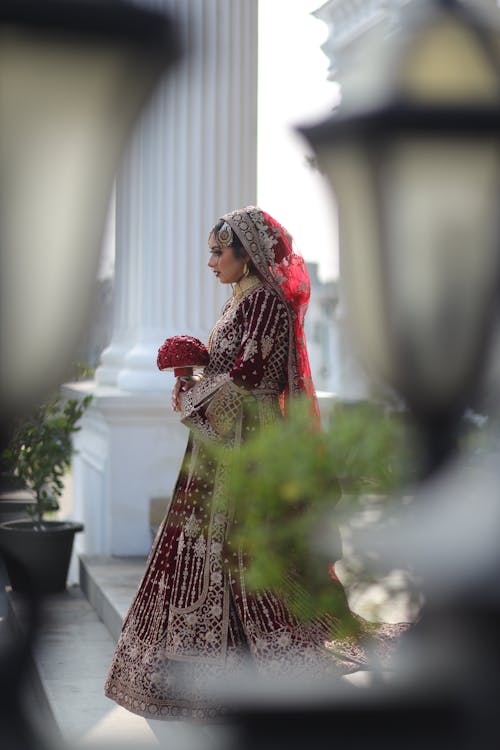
(322, 333)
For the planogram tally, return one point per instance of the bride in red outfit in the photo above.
(193, 619)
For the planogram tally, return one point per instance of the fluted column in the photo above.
(193, 158)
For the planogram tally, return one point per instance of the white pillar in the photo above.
(192, 159)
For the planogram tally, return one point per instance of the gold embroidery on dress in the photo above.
(267, 345)
(251, 348)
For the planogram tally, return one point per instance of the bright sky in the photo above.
(293, 89)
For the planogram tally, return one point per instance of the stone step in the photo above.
(109, 583)
(13, 504)
(70, 663)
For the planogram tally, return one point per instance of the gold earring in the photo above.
(246, 270)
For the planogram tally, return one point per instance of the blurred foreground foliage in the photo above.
(286, 483)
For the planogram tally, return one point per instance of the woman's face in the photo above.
(227, 267)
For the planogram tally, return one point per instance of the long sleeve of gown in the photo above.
(248, 356)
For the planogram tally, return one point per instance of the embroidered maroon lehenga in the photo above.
(193, 619)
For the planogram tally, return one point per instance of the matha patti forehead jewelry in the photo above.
(225, 235)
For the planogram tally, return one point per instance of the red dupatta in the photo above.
(281, 267)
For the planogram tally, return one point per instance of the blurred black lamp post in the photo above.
(74, 75)
(417, 182)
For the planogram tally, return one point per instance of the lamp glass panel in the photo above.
(65, 110)
(447, 63)
(349, 170)
(442, 256)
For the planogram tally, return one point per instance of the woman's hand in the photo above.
(181, 386)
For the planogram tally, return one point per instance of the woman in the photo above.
(193, 619)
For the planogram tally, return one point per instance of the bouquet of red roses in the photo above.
(182, 354)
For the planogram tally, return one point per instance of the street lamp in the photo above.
(74, 75)
(417, 182)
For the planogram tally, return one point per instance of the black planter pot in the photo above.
(38, 558)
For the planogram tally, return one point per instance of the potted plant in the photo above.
(39, 454)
